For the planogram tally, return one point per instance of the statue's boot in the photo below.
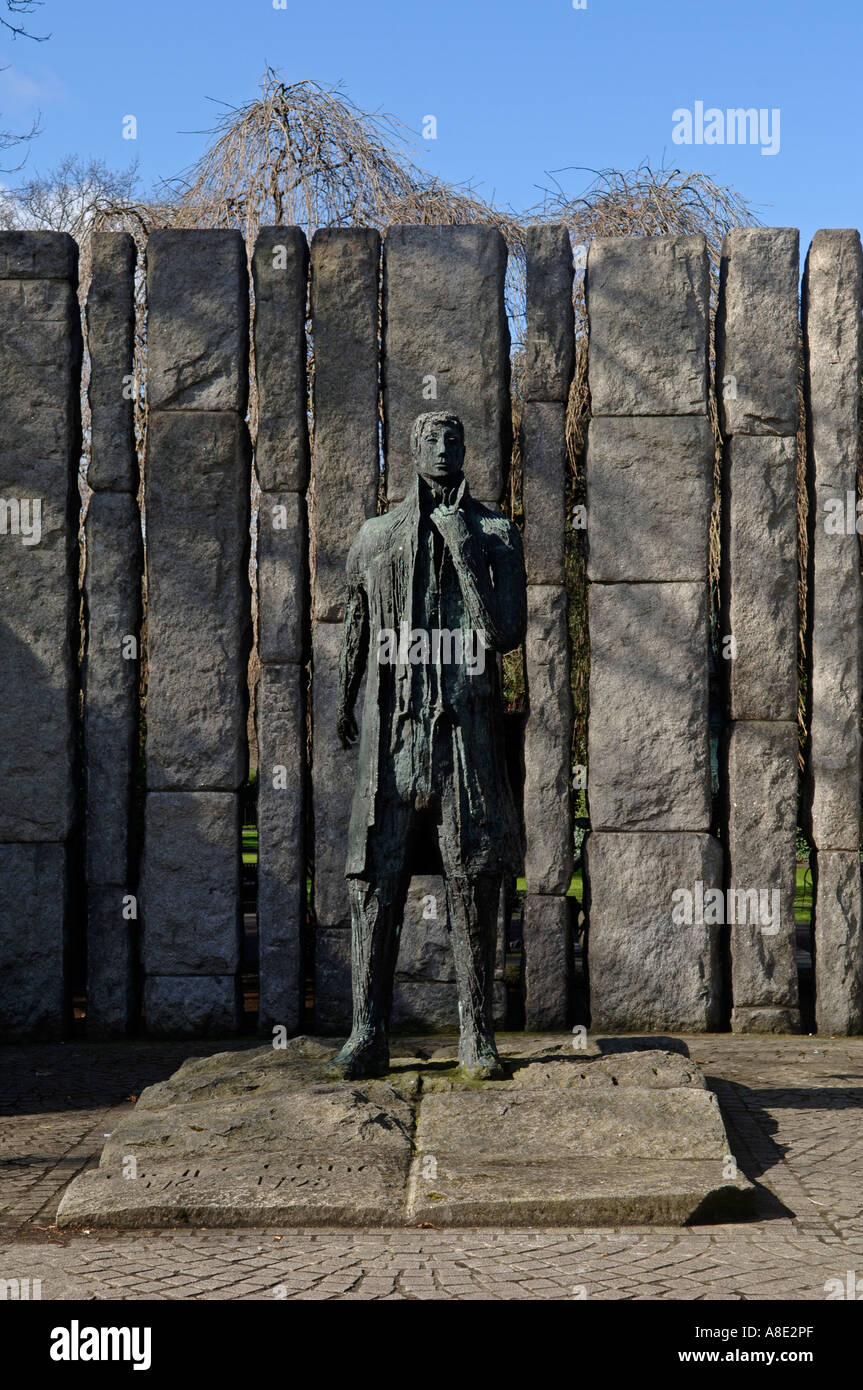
(376, 917)
(472, 904)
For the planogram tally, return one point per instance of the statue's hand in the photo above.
(447, 516)
(346, 726)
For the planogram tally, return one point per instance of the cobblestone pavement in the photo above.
(792, 1108)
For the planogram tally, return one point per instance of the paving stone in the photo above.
(280, 267)
(648, 481)
(657, 281)
(649, 773)
(110, 314)
(446, 346)
(646, 970)
(344, 303)
(757, 331)
(197, 320)
(549, 349)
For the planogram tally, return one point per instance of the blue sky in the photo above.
(517, 89)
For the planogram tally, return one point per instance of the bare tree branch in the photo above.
(18, 30)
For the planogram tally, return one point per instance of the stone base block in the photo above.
(266, 1138)
(649, 967)
(762, 822)
(764, 1019)
(838, 937)
(190, 883)
(332, 980)
(191, 1006)
(110, 962)
(33, 909)
(547, 936)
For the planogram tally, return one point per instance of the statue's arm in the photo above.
(354, 653)
(492, 578)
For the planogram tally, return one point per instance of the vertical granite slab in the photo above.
(833, 290)
(198, 320)
(648, 970)
(425, 996)
(757, 332)
(762, 825)
(280, 267)
(547, 742)
(345, 460)
(544, 477)
(33, 939)
(648, 655)
(191, 1006)
(649, 485)
(649, 300)
(446, 347)
(833, 356)
(190, 889)
(112, 597)
(547, 936)
(757, 360)
(760, 493)
(281, 844)
(838, 941)
(334, 772)
(282, 572)
(40, 442)
(549, 348)
(199, 600)
(40, 356)
(110, 315)
(111, 960)
(649, 471)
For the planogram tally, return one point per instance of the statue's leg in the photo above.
(377, 910)
(472, 903)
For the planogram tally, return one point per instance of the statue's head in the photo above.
(437, 446)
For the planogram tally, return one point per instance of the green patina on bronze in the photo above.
(432, 771)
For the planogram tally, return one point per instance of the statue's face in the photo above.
(441, 453)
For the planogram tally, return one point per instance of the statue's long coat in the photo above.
(399, 570)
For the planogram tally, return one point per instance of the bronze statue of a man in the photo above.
(433, 586)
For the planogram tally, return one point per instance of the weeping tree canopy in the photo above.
(305, 154)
